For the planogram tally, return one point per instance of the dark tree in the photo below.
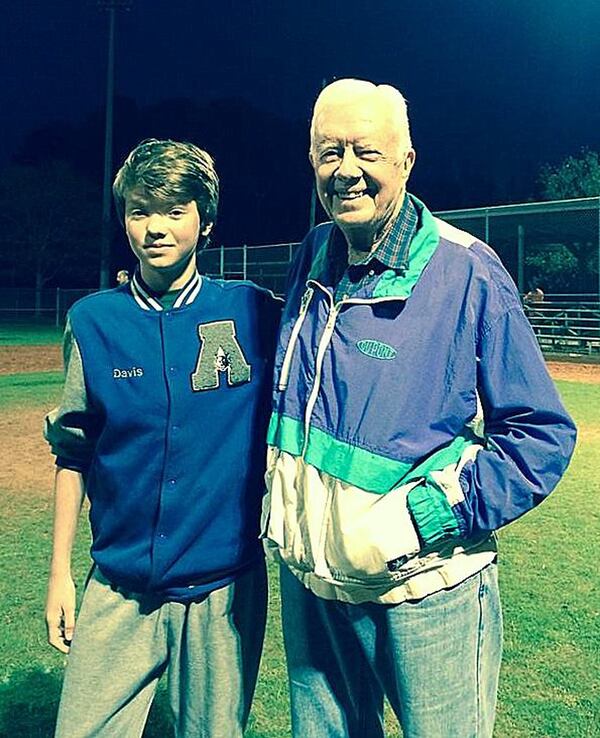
(576, 176)
(49, 215)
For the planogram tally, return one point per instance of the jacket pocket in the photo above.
(291, 521)
(369, 536)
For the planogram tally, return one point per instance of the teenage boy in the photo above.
(162, 424)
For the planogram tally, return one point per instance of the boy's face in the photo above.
(163, 235)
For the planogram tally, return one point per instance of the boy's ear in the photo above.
(206, 229)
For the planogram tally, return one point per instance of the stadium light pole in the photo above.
(105, 234)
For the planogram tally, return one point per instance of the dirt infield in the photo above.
(574, 372)
(27, 466)
(14, 359)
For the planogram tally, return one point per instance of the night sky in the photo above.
(495, 88)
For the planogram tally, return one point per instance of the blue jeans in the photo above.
(437, 660)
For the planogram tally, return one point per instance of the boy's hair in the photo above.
(172, 171)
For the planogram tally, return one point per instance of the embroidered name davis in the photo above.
(220, 353)
(135, 371)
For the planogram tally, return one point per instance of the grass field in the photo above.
(29, 333)
(549, 577)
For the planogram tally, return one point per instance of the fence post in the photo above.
(521, 258)
(487, 226)
(245, 260)
(599, 249)
(222, 261)
(57, 308)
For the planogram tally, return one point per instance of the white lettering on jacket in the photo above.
(135, 371)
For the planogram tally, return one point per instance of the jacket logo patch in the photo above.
(376, 349)
(135, 371)
(220, 353)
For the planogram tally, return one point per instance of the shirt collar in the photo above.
(393, 251)
(148, 299)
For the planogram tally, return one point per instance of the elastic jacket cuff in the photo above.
(432, 514)
(72, 464)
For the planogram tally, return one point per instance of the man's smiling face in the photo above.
(361, 165)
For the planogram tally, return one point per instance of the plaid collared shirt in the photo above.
(392, 253)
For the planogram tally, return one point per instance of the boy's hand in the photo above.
(60, 611)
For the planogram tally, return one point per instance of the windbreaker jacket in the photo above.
(166, 411)
(410, 421)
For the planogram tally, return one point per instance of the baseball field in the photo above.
(550, 684)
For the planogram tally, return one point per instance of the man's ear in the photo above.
(409, 161)
(311, 158)
(206, 229)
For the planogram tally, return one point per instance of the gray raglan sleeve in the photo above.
(71, 429)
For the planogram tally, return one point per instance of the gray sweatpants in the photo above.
(123, 642)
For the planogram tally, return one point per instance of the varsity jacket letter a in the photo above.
(219, 352)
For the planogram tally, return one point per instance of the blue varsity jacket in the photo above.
(170, 430)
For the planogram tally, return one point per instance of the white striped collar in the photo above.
(189, 291)
(147, 301)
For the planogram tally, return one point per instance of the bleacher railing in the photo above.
(566, 327)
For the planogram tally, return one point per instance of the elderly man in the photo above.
(413, 417)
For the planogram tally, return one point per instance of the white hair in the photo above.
(343, 91)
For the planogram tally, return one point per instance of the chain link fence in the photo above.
(552, 246)
(266, 265)
(46, 305)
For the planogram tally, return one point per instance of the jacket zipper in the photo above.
(321, 569)
(289, 352)
(334, 309)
